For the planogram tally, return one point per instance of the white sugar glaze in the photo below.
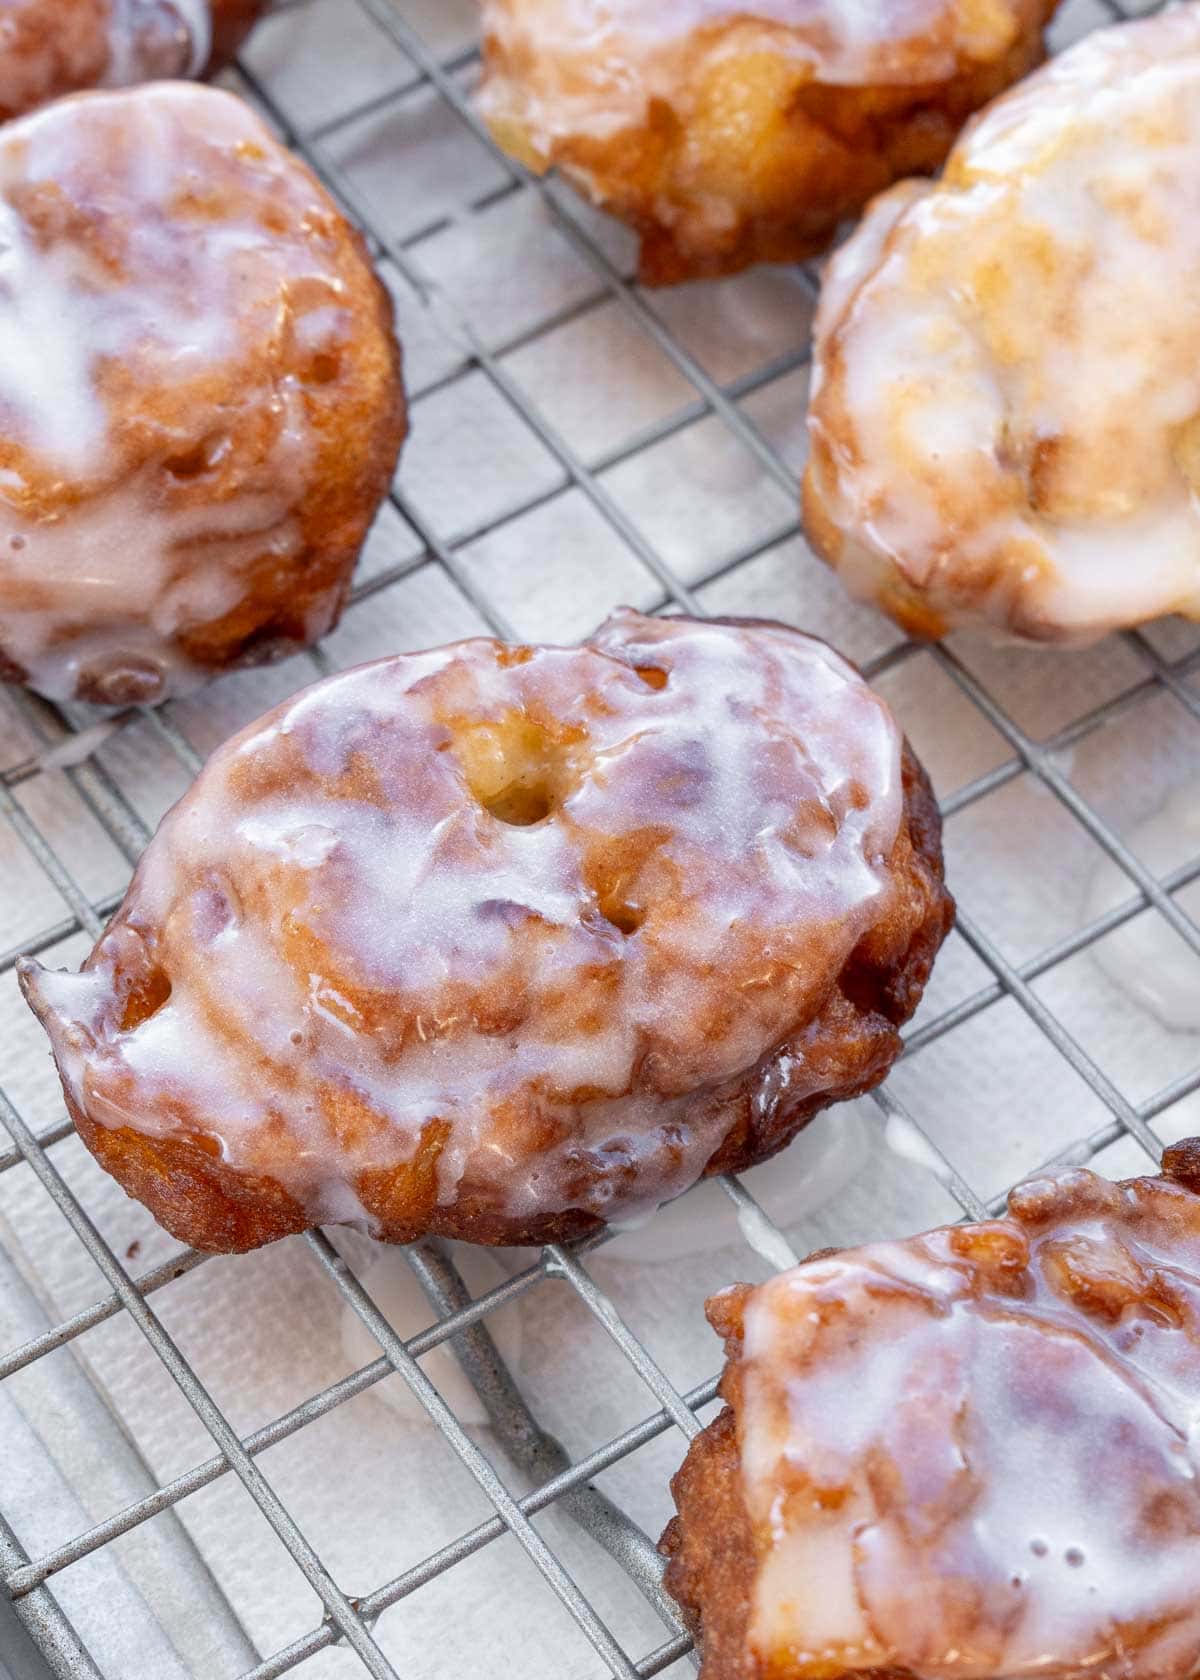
(1006, 398)
(134, 333)
(135, 30)
(358, 947)
(595, 66)
(973, 1454)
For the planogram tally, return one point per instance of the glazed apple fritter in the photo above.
(965, 1456)
(200, 398)
(1005, 416)
(501, 943)
(728, 135)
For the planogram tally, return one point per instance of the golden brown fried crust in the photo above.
(711, 1555)
(711, 1559)
(363, 405)
(852, 1043)
(709, 1546)
(750, 157)
(844, 145)
(191, 1192)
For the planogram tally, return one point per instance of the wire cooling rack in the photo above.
(555, 406)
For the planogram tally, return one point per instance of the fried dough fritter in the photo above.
(1005, 417)
(964, 1456)
(728, 135)
(500, 943)
(200, 396)
(53, 47)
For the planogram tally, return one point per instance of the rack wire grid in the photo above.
(577, 441)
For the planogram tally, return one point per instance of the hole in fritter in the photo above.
(522, 804)
(324, 368)
(652, 675)
(518, 770)
(627, 918)
(200, 459)
(624, 878)
(145, 998)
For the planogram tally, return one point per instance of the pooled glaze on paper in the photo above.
(906, 1139)
(765, 1238)
(974, 1453)
(1006, 401)
(809, 1174)
(134, 326)
(530, 909)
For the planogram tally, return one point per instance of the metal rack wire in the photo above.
(555, 1479)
